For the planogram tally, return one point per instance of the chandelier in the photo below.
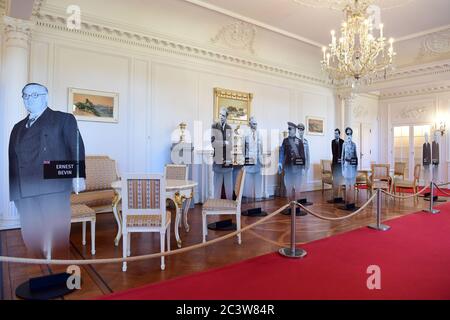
(357, 55)
(340, 4)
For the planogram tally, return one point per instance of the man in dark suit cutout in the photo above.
(43, 205)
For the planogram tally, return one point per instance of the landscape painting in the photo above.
(89, 105)
(315, 126)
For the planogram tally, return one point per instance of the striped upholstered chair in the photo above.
(225, 206)
(144, 210)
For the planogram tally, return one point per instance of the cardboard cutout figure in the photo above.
(44, 204)
(336, 163)
(221, 140)
(253, 157)
(349, 161)
(292, 159)
(426, 159)
(435, 156)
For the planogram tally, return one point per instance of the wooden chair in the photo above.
(82, 213)
(362, 181)
(380, 178)
(225, 206)
(144, 210)
(409, 184)
(399, 170)
(176, 172)
(327, 174)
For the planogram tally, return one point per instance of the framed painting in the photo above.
(238, 104)
(90, 105)
(315, 126)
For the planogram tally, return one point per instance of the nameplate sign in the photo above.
(63, 169)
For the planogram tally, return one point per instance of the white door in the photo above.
(366, 146)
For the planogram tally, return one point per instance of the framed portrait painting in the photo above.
(90, 105)
(315, 126)
(238, 104)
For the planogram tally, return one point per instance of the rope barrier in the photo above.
(142, 257)
(441, 190)
(404, 197)
(442, 184)
(338, 218)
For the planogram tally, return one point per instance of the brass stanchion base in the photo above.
(381, 227)
(287, 252)
(432, 211)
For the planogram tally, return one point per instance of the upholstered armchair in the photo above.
(409, 184)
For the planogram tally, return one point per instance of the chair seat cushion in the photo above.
(81, 211)
(404, 184)
(219, 204)
(93, 198)
(146, 220)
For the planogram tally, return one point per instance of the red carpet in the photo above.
(414, 257)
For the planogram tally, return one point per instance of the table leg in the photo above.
(115, 205)
(178, 200)
(186, 211)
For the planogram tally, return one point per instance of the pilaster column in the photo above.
(347, 100)
(15, 67)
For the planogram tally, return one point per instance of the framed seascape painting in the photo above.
(315, 126)
(90, 105)
(238, 104)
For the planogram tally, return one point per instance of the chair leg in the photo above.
(83, 241)
(323, 187)
(163, 239)
(129, 245)
(168, 237)
(124, 249)
(238, 227)
(93, 237)
(204, 227)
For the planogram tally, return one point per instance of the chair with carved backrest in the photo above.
(176, 172)
(327, 174)
(144, 210)
(225, 206)
(399, 170)
(409, 184)
(380, 178)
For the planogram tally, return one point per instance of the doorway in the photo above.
(408, 145)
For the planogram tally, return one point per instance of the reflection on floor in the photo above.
(268, 237)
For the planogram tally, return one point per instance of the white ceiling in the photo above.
(313, 24)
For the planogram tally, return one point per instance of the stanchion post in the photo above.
(293, 252)
(378, 225)
(431, 210)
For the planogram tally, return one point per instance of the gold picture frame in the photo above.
(92, 105)
(238, 104)
(315, 126)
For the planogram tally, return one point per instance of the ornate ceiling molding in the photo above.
(37, 7)
(435, 44)
(91, 30)
(2, 7)
(415, 91)
(237, 35)
(340, 4)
